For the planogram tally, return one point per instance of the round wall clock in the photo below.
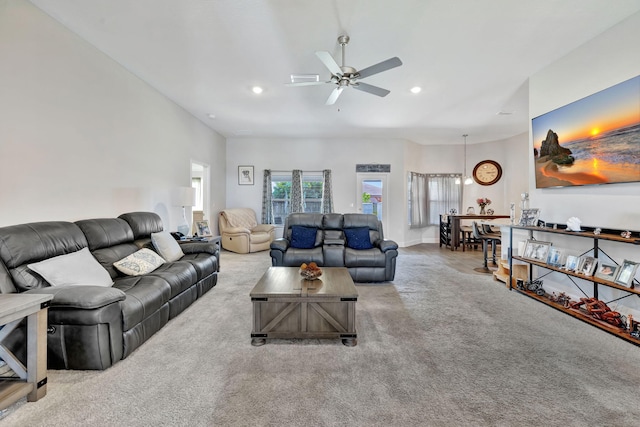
(487, 172)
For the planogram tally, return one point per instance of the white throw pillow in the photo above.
(77, 268)
(167, 246)
(138, 263)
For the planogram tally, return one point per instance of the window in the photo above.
(312, 192)
(312, 184)
(432, 195)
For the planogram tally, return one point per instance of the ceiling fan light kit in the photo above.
(346, 76)
(300, 78)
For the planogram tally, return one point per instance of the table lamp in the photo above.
(185, 196)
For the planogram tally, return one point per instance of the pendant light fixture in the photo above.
(467, 179)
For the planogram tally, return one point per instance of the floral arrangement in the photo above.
(483, 201)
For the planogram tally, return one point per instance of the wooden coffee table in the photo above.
(287, 306)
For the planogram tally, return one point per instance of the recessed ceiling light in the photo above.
(416, 89)
(257, 90)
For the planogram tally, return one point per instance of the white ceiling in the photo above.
(472, 59)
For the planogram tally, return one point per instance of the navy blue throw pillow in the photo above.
(358, 238)
(303, 237)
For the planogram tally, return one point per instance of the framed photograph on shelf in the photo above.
(203, 228)
(587, 265)
(571, 264)
(529, 217)
(536, 250)
(245, 175)
(607, 271)
(626, 273)
(555, 257)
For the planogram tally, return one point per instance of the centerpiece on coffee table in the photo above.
(310, 271)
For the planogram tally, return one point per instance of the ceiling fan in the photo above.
(345, 76)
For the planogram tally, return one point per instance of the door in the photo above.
(200, 181)
(371, 195)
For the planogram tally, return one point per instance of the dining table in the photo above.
(456, 233)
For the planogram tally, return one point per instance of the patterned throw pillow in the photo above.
(358, 238)
(138, 263)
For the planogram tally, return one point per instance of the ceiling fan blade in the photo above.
(307, 83)
(329, 62)
(375, 90)
(334, 96)
(380, 67)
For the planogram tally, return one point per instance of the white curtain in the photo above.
(417, 200)
(431, 195)
(443, 194)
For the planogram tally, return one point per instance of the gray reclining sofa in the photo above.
(354, 241)
(93, 327)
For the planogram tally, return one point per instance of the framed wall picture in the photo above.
(203, 228)
(607, 271)
(536, 250)
(245, 175)
(529, 217)
(626, 273)
(608, 143)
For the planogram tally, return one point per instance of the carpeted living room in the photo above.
(125, 125)
(441, 345)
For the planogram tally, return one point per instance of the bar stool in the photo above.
(486, 239)
(488, 231)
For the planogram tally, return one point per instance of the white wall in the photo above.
(341, 156)
(511, 154)
(88, 139)
(81, 137)
(608, 59)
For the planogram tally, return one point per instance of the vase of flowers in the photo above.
(483, 202)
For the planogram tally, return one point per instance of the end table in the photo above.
(32, 380)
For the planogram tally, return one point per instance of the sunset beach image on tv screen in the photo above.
(595, 140)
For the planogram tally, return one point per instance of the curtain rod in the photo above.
(289, 171)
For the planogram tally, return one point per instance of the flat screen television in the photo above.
(595, 140)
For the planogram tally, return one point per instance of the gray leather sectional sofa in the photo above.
(335, 243)
(93, 327)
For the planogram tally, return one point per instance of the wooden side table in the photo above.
(32, 380)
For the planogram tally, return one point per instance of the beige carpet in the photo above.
(436, 348)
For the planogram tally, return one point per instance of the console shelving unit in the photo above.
(611, 235)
